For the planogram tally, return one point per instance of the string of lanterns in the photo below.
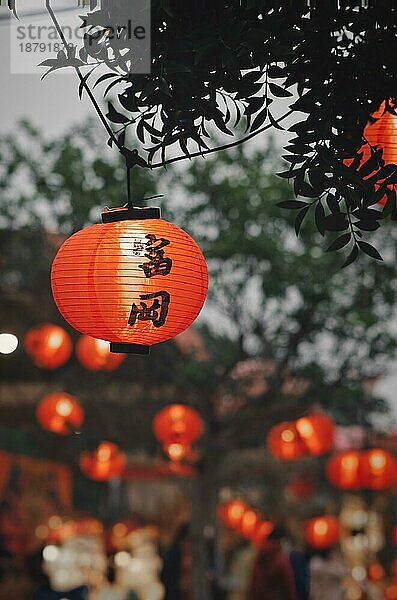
(50, 347)
(245, 521)
(312, 435)
(354, 469)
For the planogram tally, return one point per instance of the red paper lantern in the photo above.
(48, 345)
(106, 462)
(60, 413)
(284, 441)
(95, 354)
(232, 512)
(177, 423)
(322, 532)
(134, 280)
(249, 523)
(380, 134)
(317, 433)
(262, 532)
(376, 572)
(378, 469)
(343, 470)
(390, 592)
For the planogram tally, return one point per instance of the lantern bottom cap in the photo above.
(124, 347)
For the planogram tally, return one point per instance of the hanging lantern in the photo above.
(177, 423)
(232, 512)
(390, 592)
(380, 133)
(106, 462)
(317, 433)
(378, 469)
(284, 442)
(262, 532)
(376, 572)
(249, 523)
(343, 470)
(134, 280)
(48, 345)
(60, 413)
(322, 532)
(95, 354)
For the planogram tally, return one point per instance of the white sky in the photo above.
(53, 104)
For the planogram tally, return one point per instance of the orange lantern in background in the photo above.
(317, 433)
(176, 451)
(376, 572)
(48, 345)
(249, 523)
(134, 280)
(378, 469)
(106, 462)
(343, 470)
(95, 354)
(284, 442)
(60, 413)
(299, 489)
(262, 532)
(322, 532)
(380, 133)
(390, 592)
(177, 423)
(232, 512)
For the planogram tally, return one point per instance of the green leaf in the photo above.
(340, 242)
(293, 204)
(351, 257)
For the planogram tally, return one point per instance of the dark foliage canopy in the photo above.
(221, 66)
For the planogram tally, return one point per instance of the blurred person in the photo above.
(327, 570)
(301, 569)
(176, 571)
(272, 574)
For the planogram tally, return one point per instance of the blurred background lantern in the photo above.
(104, 463)
(343, 470)
(231, 513)
(322, 532)
(390, 592)
(376, 572)
(60, 413)
(284, 442)
(134, 280)
(118, 535)
(95, 354)
(177, 423)
(249, 523)
(317, 433)
(262, 532)
(378, 469)
(48, 345)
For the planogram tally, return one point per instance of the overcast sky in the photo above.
(53, 104)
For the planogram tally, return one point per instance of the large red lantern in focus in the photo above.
(60, 413)
(343, 470)
(135, 280)
(48, 345)
(284, 441)
(317, 433)
(378, 469)
(104, 463)
(232, 512)
(380, 133)
(177, 423)
(95, 354)
(322, 532)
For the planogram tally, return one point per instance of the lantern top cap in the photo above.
(125, 213)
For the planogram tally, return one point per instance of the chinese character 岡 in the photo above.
(156, 312)
(158, 264)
